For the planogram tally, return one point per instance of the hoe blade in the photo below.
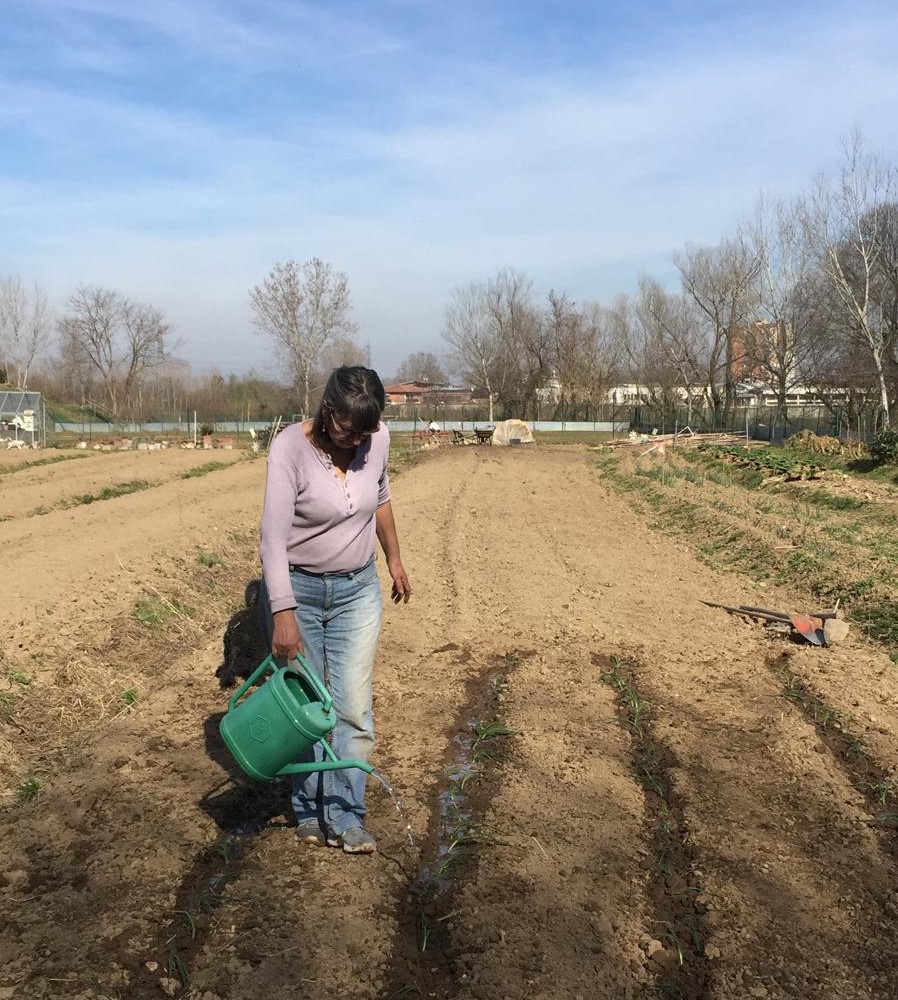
(809, 628)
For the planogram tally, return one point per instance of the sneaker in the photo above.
(308, 831)
(355, 840)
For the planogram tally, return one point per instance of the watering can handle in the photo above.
(315, 681)
(269, 663)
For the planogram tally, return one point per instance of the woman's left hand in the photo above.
(402, 589)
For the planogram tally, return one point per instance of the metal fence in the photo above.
(22, 419)
(759, 424)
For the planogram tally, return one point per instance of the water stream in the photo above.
(382, 778)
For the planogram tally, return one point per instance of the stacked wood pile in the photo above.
(685, 437)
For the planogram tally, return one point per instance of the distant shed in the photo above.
(23, 418)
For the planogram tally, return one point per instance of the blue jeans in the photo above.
(339, 616)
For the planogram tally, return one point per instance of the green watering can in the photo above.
(280, 721)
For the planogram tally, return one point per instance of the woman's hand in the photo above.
(286, 641)
(402, 589)
(386, 534)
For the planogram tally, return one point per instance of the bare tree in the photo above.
(421, 366)
(567, 337)
(847, 224)
(475, 341)
(342, 350)
(302, 307)
(720, 281)
(524, 358)
(582, 356)
(673, 346)
(24, 327)
(887, 291)
(782, 347)
(119, 340)
(601, 355)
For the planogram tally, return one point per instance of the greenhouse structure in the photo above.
(22, 419)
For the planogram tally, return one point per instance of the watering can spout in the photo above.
(325, 765)
(268, 731)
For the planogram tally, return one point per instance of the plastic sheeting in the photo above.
(512, 432)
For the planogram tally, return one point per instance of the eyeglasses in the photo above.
(347, 432)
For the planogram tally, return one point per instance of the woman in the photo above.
(326, 498)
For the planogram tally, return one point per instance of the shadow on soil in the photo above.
(843, 737)
(244, 644)
(239, 805)
(240, 808)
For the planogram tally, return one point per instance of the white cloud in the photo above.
(583, 175)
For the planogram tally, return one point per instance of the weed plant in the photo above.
(204, 470)
(27, 791)
(176, 968)
(208, 559)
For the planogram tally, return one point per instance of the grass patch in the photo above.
(833, 501)
(204, 470)
(156, 611)
(208, 559)
(402, 454)
(130, 697)
(880, 621)
(19, 677)
(7, 705)
(8, 470)
(107, 493)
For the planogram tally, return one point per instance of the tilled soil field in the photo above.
(614, 790)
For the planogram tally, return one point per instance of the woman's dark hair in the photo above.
(354, 394)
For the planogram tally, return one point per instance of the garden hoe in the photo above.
(821, 629)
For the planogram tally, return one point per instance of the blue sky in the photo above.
(174, 150)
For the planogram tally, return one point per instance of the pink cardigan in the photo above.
(313, 519)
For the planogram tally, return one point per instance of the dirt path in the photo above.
(663, 822)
